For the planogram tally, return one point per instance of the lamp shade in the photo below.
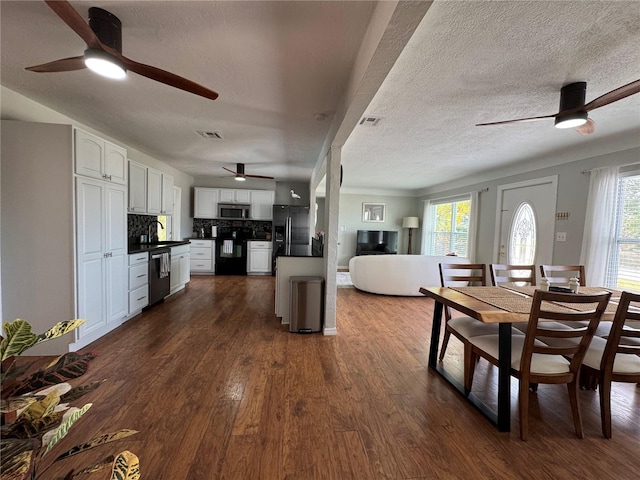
(410, 222)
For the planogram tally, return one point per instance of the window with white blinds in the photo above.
(449, 226)
(623, 265)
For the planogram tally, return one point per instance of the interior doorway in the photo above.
(525, 222)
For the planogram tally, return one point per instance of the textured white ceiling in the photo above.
(476, 61)
(277, 64)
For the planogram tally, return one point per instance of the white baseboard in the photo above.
(329, 331)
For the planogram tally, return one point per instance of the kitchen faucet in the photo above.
(152, 225)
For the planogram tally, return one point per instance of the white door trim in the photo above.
(176, 233)
(553, 179)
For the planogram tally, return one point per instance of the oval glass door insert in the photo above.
(522, 238)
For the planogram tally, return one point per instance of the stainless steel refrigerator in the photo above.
(290, 231)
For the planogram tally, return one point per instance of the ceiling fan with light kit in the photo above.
(103, 36)
(573, 110)
(240, 176)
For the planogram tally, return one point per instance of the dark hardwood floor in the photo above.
(220, 390)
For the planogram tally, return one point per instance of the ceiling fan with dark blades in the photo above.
(241, 176)
(573, 110)
(103, 36)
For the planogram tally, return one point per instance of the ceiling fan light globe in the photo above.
(238, 178)
(104, 64)
(572, 120)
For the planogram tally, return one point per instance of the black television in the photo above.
(377, 242)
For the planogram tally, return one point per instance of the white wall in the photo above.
(573, 188)
(350, 221)
(37, 228)
(283, 193)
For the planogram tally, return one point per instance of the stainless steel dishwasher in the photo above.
(159, 275)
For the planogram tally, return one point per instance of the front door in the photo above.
(525, 222)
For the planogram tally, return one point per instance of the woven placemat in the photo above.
(512, 300)
(482, 292)
(507, 300)
(526, 290)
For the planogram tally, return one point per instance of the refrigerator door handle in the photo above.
(288, 234)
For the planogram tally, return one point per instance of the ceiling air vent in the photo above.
(206, 134)
(369, 121)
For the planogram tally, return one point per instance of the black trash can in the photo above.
(306, 309)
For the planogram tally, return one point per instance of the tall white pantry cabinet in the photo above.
(101, 237)
(63, 231)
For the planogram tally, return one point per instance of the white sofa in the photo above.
(401, 275)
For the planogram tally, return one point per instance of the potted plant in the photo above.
(36, 411)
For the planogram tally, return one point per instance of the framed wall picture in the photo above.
(373, 212)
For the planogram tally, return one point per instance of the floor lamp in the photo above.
(410, 223)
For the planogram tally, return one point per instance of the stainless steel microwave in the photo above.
(233, 211)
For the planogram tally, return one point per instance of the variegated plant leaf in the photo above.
(96, 442)
(105, 462)
(69, 366)
(15, 458)
(53, 362)
(16, 403)
(60, 329)
(79, 391)
(61, 388)
(41, 408)
(32, 428)
(19, 337)
(126, 466)
(63, 429)
(13, 370)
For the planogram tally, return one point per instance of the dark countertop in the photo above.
(150, 247)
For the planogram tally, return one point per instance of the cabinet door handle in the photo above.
(141, 298)
(140, 276)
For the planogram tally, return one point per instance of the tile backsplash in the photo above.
(259, 227)
(139, 225)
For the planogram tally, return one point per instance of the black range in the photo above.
(231, 250)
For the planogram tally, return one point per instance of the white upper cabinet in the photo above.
(262, 204)
(115, 163)
(97, 158)
(154, 191)
(150, 190)
(243, 196)
(228, 195)
(137, 187)
(205, 202)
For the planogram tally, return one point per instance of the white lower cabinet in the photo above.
(258, 257)
(202, 256)
(101, 229)
(138, 282)
(180, 268)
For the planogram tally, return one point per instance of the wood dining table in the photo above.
(504, 306)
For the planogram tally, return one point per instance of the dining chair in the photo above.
(616, 359)
(562, 273)
(502, 274)
(463, 274)
(533, 361)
